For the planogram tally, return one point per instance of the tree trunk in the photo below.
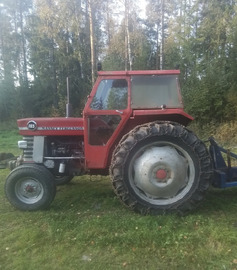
(162, 37)
(25, 76)
(157, 46)
(127, 39)
(92, 41)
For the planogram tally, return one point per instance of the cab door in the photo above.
(105, 114)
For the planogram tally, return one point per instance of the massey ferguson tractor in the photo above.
(133, 128)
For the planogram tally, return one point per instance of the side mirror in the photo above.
(99, 66)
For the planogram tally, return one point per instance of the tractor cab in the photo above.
(123, 99)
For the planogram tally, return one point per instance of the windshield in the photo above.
(111, 94)
(155, 91)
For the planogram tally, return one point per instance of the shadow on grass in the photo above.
(86, 194)
(97, 195)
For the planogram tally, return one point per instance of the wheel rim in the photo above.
(161, 173)
(29, 190)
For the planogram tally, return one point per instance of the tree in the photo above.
(92, 40)
(44, 42)
(158, 13)
(128, 47)
(7, 76)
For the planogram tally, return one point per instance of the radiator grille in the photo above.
(28, 152)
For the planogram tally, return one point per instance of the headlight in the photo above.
(22, 144)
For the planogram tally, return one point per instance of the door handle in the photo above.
(121, 112)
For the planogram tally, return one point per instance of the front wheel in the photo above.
(62, 179)
(159, 168)
(30, 187)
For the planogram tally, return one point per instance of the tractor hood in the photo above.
(57, 126)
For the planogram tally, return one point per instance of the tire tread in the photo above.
(151, 130)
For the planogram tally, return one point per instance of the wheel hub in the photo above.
(29, 190)
(160, 172)
(161, 175)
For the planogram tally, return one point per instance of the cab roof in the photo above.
(139, 72)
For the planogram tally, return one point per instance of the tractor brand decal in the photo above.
(60, 128)
(32, 125)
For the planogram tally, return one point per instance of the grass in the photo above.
(86, 227)
(8, 141)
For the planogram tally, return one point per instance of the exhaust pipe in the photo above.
(68, 105)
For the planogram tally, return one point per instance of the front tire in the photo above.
(159, 168)
(30, 188)
(63, 180)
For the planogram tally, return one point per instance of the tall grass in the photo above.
(224, 133)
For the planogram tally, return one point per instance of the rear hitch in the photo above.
(224, 174)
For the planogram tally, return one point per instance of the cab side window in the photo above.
(111, 95)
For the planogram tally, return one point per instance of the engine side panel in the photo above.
(57, 126)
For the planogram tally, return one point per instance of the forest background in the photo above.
(44, 42)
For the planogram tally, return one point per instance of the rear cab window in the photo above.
(155, 91)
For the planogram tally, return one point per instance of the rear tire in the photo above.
(159, 168)
(30, 188)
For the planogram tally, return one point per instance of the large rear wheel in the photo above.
(30, 187)
(159, 168)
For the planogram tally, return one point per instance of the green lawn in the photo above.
(8, 141)
(87, 227)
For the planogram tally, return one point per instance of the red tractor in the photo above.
(133, 128)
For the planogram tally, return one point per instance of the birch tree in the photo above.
(92, 40)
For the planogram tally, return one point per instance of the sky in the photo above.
(119, 9)
(142, 4)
